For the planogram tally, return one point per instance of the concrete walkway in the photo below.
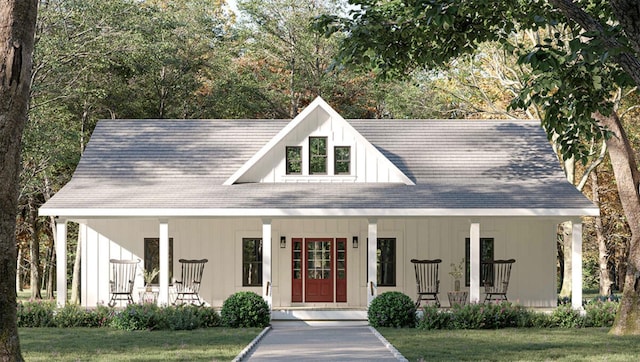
(296, 341)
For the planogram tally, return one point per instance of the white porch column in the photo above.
(61, 261)
(267, 285)
(163, 277)
(372, 260)
(576, 265)
(474, 255)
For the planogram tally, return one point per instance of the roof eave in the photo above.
(273, 212)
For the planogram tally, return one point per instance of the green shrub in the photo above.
(245, 309)
(600, 313)
(434, 318)
(476, 316)
(566, 317)
(103, 315)
(470, 316)
(392, 309)
(36, 313)
(208, 317)
(72, 315)
(181, 317)
(139, 317)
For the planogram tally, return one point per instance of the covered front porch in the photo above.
(529, 240)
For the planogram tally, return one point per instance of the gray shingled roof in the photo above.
(162, 165)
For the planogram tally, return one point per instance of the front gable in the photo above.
(318, 146)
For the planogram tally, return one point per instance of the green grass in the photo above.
(106, 344)
(526, 344)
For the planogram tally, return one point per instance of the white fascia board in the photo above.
(207, 212)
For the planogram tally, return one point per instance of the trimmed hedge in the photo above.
(505, 315)
(392, 309)
(245, 309)
(133, 317)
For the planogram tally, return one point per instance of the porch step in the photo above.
(319, 314)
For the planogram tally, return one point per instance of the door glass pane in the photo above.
(319, 262)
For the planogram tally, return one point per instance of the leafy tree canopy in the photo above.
(572, 71)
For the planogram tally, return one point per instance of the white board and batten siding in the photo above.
(530, 242)
(367, 163)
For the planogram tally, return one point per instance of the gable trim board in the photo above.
(306, 116)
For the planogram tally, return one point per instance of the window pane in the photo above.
(294, 160)
(317, 155)
(386, 261)
(342, 162)
(152, 257)
(486, 254)
(251, 262)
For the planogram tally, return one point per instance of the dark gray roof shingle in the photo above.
(182, 164)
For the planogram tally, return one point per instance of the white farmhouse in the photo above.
(319, 212)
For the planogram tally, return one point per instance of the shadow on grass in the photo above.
(96, 344)
(588, 344)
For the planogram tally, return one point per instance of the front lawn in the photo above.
(107, 344)
(525, 344)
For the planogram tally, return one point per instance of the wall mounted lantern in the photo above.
(283, 242)
(355, 241)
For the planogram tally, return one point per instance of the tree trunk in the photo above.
(566, 230)
(627, 179)
(75, 281)
(17, 29)
(603, 252)
(50, 274)
(34, 248)
(18, 274)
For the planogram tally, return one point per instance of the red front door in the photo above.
(319, 270)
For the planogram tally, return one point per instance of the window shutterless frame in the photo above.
(342, 160)
(293, 160)
(318, 155)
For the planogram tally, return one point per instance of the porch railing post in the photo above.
(61, 261)
(266, 261)
(372, 260)
(474, 256)
(163, 277)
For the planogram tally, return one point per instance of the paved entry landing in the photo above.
(293, 341)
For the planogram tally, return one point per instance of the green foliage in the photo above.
(133, 317)
(489, 316)
(392, 309)
(73, 315)
(188, 317)
(506, 315)
(36, 313)
(245, 309)
(103, 316)
(434, 318)
(139, 317)
(600, 313)
(566, 317)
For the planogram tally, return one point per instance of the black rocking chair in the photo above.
(496, 276)
(427, 281)
(188, 288)
(123, 275)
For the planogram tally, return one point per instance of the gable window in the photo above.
(342, 160)
(486, 254)
(251, 262)
(294, 160)
(317, 155)
(386, 254)
(152, 257)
